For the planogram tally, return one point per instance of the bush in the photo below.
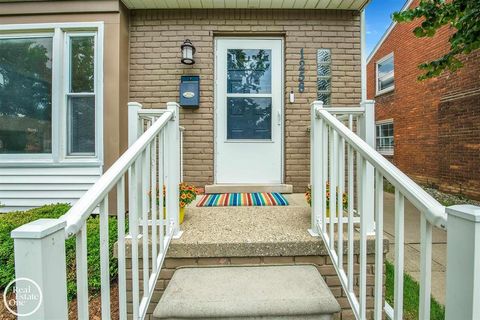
(12, 220)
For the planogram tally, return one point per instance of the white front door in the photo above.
(248, 111)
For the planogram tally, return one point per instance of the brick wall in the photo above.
(420, 126)
(323, 264)
(155, 70)
(460, 164)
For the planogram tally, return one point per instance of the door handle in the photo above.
(279, 117)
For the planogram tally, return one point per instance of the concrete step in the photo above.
(234, 188)
(247, 292)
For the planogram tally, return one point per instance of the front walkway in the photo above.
(259, 236)
(412, 245)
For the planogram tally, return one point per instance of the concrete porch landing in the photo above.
(247, 231)
(256, 236)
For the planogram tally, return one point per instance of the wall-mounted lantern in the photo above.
(188, 50)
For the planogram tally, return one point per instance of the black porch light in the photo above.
(188, 50)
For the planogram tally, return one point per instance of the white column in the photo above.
(463, 263)
(316, 167)
(182, 129)
(134, 123)
(368, 134)
(40, 257)
(134, 132)
(173, 168)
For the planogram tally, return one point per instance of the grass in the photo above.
(411, 296)
(12, 220)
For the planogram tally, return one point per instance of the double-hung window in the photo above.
(384, 137)
(81, 95)
(385, 74)
(51, 93)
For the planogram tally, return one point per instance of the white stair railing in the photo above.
(140, 118)
(332, 162)
(151, 160)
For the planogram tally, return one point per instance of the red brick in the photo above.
(436, 122)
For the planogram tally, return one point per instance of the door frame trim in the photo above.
(282, 100)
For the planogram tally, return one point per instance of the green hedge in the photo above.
(12, 220)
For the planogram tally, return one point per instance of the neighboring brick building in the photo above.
(436, 123)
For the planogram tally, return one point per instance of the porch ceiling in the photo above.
(246, 4)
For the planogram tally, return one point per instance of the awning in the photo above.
(247, 4)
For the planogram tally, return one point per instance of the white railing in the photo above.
(334, 150)
(139, 119)
(151, 160)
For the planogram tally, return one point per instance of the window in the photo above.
(385, 74)
(81, 96)
(324, 75)
(26, 95)
(50, 92)
(384, 137)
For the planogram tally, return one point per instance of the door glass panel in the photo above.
(249, 118)
(249, 71)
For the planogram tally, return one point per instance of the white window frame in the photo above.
(67, 93)
(61, 33)
(390, 74)
(379, 123)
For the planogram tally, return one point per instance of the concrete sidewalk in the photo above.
(412, 245)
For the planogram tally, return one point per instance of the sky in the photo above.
(378, 18)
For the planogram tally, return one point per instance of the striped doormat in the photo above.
(243, 199)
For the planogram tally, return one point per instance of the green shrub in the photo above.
(12, 220)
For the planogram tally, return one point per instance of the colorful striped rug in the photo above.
(243, 199)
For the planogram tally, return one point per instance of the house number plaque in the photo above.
(301, 73)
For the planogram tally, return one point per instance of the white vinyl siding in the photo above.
(385, 75)
(24, 188)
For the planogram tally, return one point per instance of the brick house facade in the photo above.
(155, 39)
(139, 60)
(436, 122)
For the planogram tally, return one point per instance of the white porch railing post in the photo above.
(134, 122)
(368, 135)
(182, 130)
(316, 168)
(40, 258)
(463, 263)
(173, 169)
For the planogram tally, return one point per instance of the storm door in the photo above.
(248, 111)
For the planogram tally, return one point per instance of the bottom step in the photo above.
(247, 292)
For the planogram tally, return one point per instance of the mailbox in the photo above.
(190, 91)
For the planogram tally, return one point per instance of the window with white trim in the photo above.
(51, 92)
(81, 95)
(385, 74)
(384, 137)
